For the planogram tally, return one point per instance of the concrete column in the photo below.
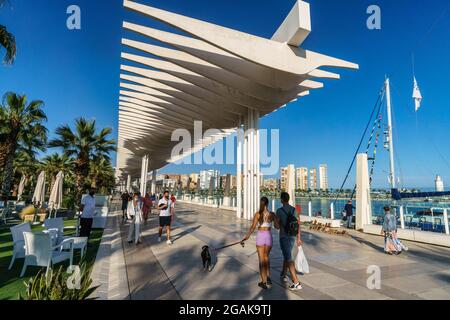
(257, 162)
(144, 170)
(245, 172)
(239, 170)
(128, 183)
(153, 187)
(363, 201)
(251, 164)
(226, 198)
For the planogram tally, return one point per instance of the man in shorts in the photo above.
(166, 209)
(288, 241)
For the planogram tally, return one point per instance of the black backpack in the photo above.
(291, 227)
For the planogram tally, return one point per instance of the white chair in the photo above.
(19, 241)
(58, 223)
(2, 216)
(40, 252)
(5, 213)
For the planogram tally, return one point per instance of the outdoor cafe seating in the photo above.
(40, 251)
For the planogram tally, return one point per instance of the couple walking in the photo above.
(285, 220)
(138, 209)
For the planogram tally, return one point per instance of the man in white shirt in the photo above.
(166, 207)
(88, 211)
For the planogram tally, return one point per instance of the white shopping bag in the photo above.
(301, 264)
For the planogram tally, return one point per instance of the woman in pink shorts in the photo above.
(264, 220)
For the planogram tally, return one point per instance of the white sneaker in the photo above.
(159, 239)
(169, 242)
(295, 287)
(284, 278)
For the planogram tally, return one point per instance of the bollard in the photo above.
(402, 218)
(446, 221)
(332, 210)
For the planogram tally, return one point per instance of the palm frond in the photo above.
(8, 41)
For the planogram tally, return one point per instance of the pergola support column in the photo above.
(240, 142)
(144, 170)
(251, 165)
(128, 183)
(153, 187)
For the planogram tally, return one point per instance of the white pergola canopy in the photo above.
(214, 75)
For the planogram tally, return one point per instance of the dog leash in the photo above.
(230, 245)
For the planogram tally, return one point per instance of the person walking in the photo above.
(87, 209)
(147, 207)
(349, 213)
(264, 220)
(389, 230)
(288, 223)
(166, 210)
(134, 213)
(125, 199)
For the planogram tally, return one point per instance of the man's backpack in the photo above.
(291, 227)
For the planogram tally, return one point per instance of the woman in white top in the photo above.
(264, 220)
(134, 213)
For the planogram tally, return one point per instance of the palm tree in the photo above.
(21, 128)
(84, 144)
(7, 41)
(101, 173)
(54, 163)
(25, 164)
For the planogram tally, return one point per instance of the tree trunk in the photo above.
(8, 173)
(81, 172)
(94, 182)
(4, 149)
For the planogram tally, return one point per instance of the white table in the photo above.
(80, 243)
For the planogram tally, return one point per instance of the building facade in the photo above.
(301, 178)
(313, 179)
(283, 177)
(323, 177)
(271, 184)
(206, 176)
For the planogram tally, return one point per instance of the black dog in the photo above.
(206, 259)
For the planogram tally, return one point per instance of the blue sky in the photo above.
(76, 73)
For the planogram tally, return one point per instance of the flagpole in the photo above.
(391, 141)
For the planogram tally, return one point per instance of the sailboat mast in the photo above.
(391, 140)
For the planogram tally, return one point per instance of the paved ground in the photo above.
(338, 264)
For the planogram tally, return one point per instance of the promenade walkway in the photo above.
(338, 264)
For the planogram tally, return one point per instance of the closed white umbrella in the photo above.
(56, 194)
(39, 191)
(22, 183)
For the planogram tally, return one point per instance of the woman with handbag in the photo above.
(389, 230)
(134, 213)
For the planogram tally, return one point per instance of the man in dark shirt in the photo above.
(349, 213)
(125, 199)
